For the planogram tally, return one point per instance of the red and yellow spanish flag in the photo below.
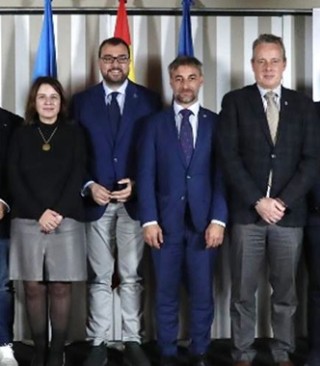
(122, 31)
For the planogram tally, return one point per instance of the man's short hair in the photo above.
(113, 41)
(185, 61)
(269, 38)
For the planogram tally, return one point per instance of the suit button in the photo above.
(273, 156)
(188, 176)
(182, 198)
(115, 160)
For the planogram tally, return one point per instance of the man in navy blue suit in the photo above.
(111, 114)
(182, 208)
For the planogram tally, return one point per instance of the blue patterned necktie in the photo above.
(114, 114)
(186, 135)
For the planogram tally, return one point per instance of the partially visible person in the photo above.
(182, 209)
(111, 113)
(269, 144)
(312, 250)
(48, 249)
(8, 122)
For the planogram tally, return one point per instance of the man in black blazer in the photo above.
(8, 121)
(312, 250)
(268, 139)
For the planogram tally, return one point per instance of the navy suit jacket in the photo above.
(110, 161)
(248, 153)
(165, 185)
(8, 122)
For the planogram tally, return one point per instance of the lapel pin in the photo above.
(135, 95)
(285, 102)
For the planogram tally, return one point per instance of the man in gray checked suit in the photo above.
(268, 140)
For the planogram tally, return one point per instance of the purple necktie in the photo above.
(186, 135)
(114, 114)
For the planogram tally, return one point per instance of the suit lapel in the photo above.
(256, 103)
(202, 133)
(100, 110)
(285, 111)
(172, 135)
(132, 100)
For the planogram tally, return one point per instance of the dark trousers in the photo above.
(312, 249)
(184, 259)
(6, 296)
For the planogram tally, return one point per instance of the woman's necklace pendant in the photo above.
(46, 142)
(46, 147)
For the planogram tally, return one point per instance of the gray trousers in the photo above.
(114, 232)
(251, 245)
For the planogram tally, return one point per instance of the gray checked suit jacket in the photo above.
(248, 154)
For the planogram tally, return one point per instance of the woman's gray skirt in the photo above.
(58, 256)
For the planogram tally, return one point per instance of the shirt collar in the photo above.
(121, 89)
(194, 108)
(276, 90)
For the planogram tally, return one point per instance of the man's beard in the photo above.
(186, 98)
(115, 80)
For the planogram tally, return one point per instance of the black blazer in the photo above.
(248, 154)
(8, 121)
(314, 194)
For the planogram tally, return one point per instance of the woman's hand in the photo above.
(49, 221)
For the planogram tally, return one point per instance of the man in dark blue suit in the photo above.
(111, 114)
(8, 122)
(269, 143)
(182, 208)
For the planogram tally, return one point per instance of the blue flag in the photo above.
(185, 36)
(46, 63)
